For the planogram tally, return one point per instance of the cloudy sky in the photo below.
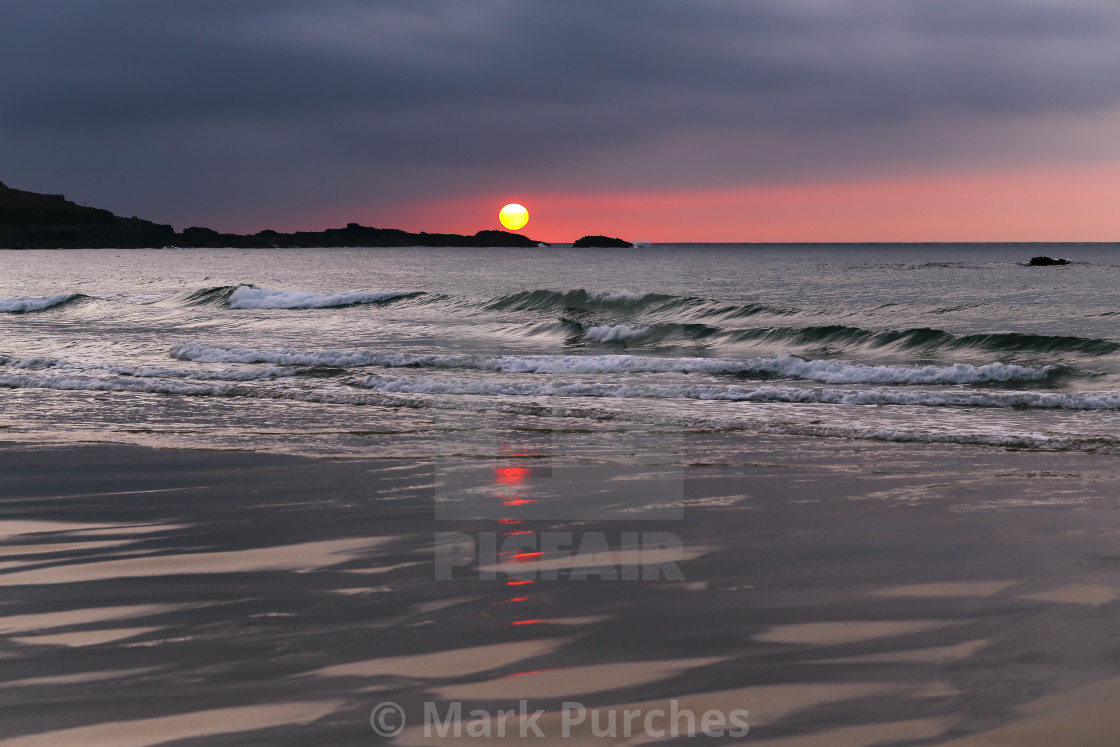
(714, 120)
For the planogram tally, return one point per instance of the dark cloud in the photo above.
(242, 105)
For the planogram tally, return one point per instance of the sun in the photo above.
(513, 216)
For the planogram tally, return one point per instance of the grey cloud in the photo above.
(423, 91)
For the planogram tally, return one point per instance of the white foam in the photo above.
(248, 297)
(828, 372)
(20, 304)
(31, 363)
(614, 333)
(623, 296)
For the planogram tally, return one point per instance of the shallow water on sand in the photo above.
(148, 596)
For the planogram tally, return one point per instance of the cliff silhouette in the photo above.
(30, 220)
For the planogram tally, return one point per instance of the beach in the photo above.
(605, 373)
(840, 592)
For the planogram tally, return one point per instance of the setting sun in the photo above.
(513, 216)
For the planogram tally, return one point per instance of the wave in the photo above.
(736, 393)
(546, 300)
(614, 333)
(926, 340)
(218, 295)
(251, 297)
(25, 304)
(580, 299)
(826, 371)
(641, 335)
(929, 339)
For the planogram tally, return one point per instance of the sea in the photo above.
(440, 353)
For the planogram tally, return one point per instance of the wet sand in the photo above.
(843, 593)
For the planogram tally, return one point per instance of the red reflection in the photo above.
(511, 475)
(511, 451)
(511, 600)
(514, 481)
(522, 674)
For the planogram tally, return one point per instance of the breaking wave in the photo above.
(580, 299)
(25, 304)
(218, 295)
(252, 297)
(924, 340)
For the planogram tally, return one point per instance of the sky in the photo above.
(689, 120)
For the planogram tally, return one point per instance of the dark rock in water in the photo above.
(503, 238)
(601, 242)
(29, 220)
(1046, 261)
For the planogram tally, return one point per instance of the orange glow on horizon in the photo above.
(1059, 203)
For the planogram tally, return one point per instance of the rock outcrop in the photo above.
(601, 242)
(1046, 261)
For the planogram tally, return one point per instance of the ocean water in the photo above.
(441, 353)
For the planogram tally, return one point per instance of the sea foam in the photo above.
(23, 304)
(615, 333)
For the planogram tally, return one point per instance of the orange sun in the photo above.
(513, 216)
